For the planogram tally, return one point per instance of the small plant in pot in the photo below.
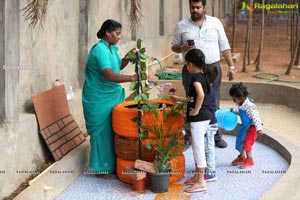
(166, 141)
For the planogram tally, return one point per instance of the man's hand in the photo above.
(186, 47)
(231, 72)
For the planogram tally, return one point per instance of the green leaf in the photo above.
(141, 135)
(137, 98)
(145, 108)
(143, 56)
(144, 76)
(143, 65)
(133, 86)
(143, 50)
(144, 97)
(148, 146)
(131, 56)
(139, 44)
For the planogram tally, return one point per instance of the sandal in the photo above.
(194, 189)
(190, 181)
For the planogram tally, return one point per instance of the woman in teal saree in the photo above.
(101, 92)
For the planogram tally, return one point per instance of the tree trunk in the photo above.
(258, 65)
(292, 34)
(267, 16)
(246, 50)
(287, 28)
(234, 24)
(250, 33)
(250, 36)
(297, 31)
(293, 59)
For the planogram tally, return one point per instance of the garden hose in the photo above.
(269, 77)
(167, 75)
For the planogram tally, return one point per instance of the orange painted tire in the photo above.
(123, 114)
(128, 148)
(177, 166)
(122, 164)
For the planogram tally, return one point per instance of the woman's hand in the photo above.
(134, 77)
(133, 50)
(125, 61)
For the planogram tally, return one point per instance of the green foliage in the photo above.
(162, 144)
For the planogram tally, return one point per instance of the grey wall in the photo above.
(2, 75)
(50, 52)
(12, 58)
(268, 93)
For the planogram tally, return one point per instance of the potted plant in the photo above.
(159, 121)
(166, 142)
(164, 125)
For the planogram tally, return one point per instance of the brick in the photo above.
(54, 128)
(58, 153)
(43, 133)
(57, 144)
(66, 147)
(144, 166)
(60, 124)
(134, 173)
(67, 119)
(81, 137)
(47, 132)
(52, 138)
(77, 140)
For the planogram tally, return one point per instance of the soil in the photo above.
(276, 52)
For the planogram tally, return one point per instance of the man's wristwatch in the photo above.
(232, 68)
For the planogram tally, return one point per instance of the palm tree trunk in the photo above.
(297, 30)
(246, 50)
(258, 65)
(293, 59)
(250, 33)
(233, 24)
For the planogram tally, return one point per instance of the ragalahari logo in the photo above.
(246, 8)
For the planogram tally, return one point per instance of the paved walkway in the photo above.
(233, 183)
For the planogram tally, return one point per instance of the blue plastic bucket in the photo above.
(226, 119)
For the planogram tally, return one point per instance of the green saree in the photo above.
(98, 98)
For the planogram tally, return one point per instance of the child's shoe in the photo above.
(210, 177)
(239, 160)
(248, 163)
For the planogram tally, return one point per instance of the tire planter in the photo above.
(123, 114)
(177, 166)
(128, 148)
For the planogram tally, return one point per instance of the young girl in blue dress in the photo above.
(250, 128)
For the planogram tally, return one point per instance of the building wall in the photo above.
(59, 49)
(2, 75)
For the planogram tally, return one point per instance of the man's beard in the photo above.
(196, 16)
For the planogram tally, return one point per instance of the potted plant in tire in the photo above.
(166, 141)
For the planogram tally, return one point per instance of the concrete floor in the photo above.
(232, 184)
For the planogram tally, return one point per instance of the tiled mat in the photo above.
(57, 126)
